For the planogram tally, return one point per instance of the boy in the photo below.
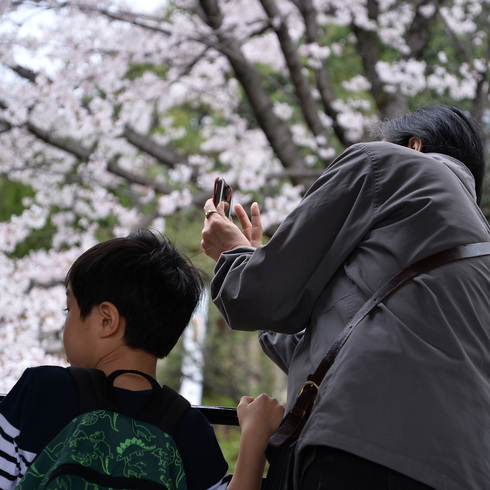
(128, 301)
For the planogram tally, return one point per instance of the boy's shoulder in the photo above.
(43, 382)
(46, 373)
(40, 403)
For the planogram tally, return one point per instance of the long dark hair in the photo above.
(442, 129)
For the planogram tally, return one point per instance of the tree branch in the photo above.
(163, 153)
(389, 104)
(62, 143)
(4, 126)
(307, 104)
(116, 169)
(303, 174)
(322, 76)
(129, 17)
(418, 34)
(24, 72)
(274, 128)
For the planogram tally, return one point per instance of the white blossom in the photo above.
(358, 83)
(405, 75)
(98, 79)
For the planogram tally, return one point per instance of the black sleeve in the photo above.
(42, 402)
(203, 460)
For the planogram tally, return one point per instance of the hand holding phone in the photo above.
(222, 193)
(219, 235)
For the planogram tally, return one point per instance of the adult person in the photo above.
(128, 301)
(406, 404)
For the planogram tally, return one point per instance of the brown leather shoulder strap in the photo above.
(297, 416)
(420, 267)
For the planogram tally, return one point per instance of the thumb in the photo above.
(222, 208)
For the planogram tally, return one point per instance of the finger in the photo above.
(256, 224)
(210, 210)
(222, 208)
(245, 223)
(264, 400)
(209, 207)
(246, 400)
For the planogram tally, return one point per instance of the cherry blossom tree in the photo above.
(118, 115)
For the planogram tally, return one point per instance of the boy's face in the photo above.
(79, 335)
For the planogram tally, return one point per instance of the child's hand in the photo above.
(259, 419)
(260, 416)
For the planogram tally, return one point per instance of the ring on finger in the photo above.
(210, 212)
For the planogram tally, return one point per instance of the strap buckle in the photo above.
(310, 385)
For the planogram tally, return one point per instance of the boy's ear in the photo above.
(110, 319)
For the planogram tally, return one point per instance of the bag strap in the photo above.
(164, 408)
(296, 418)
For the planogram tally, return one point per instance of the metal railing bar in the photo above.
(215, 415)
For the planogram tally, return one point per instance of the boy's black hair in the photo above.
(442, 129)
(154, 287)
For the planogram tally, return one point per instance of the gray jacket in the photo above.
(411, 388)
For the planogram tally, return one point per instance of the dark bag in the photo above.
(281, 460)
(281, 451)
(102, 449)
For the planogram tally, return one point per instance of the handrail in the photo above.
(219, 415)
(215, 415)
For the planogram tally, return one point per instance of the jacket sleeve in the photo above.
(279, 347)
(275, 287)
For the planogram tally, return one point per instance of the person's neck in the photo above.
(130, 359)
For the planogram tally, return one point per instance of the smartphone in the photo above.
(222, 193)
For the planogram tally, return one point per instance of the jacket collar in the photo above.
(459, 169)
